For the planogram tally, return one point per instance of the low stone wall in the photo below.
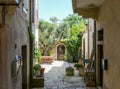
(47, 59)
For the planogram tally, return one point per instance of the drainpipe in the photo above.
(95, 50)
(30, 46)
(88, 38)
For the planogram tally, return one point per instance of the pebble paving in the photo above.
(55, 77)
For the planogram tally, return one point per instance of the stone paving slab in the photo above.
(55, 77)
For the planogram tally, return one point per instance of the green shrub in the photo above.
(49, 53)
(37, 67)
(77, 65)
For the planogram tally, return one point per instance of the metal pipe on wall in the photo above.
(30, 46)
(88, 37)
(95, 50)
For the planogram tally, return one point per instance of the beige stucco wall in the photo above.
(14, 33)
(109, 19)
(85, 37)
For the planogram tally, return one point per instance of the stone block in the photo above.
(38, 82)
(89, 79)
(69, 71)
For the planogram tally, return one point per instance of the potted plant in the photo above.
(77, 65)
(38, 80)
(37, 68)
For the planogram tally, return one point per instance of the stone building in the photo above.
(14, 44)
(107, 16)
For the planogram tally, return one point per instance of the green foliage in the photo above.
(31, 34)
(75, 19)
(69, 31)
(37, 67)
(77, 65)
(49, 53)
(74, 39)
(54, 20)
(50, 33)
(37, 54)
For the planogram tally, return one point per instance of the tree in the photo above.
(74, 40)
(74, 19)
(50, 34)
(69, 31)
(54, 20)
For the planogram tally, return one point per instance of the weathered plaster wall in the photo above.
(109, 19)
(12, 38)
(20, 37)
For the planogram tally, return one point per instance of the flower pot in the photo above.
(77, 68)
(42, 71)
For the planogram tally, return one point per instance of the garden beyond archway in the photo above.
(60, 52)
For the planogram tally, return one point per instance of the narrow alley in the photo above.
(55, 77)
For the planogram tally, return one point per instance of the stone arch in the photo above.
(60, 51)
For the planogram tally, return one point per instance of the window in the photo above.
(100, 35)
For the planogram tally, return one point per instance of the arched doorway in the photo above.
(60, 52)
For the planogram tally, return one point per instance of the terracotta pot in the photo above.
(77, 68)
(42, 71)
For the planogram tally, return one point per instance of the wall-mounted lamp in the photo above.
(18, 57)
(15, 66)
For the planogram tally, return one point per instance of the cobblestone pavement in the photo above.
(55, 77)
